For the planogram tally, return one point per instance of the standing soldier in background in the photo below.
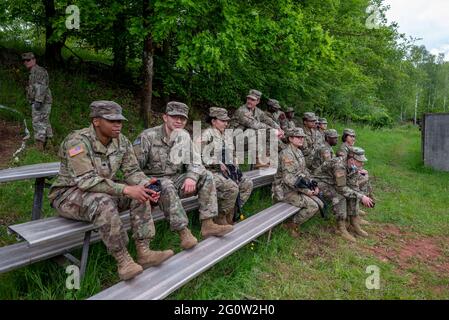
(291, 170)
(230, 193)
(87, 188)
(156, 150)
(325, 152)
(39, 97)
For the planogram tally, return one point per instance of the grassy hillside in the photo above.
(408, 240)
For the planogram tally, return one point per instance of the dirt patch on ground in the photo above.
(11, 139)
(405, 249)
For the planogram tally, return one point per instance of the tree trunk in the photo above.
(147, 68)
(119, 46)
(52, 47)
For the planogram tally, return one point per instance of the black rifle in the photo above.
(303, 183)
(235, 174)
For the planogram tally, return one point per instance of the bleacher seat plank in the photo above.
(32, 171)
(158, 282)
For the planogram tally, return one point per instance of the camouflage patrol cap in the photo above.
(27, 55)
(295, 132)
(273, 103)
(108, 110)
(254, 94)
(331, 133)
(349, 132)
(290, 109)
(310, 116)
(175, 108)
(357, 153)
(322, 120)
(219, 113)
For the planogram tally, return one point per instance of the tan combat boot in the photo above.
(187, 239)
(364, 222)
(361, 212)
(221, 219)
(127, 268)
(148, 258)
(209, 228)
(292, 228)
(356, 225)
(341, 230)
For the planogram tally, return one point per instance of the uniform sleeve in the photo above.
(209, 154)
(83, 171)
(131, 169)
(268, 121)
(195, 170)
(40, 85)
(290, 173)
(142, 148)
(248, 121)
(342, 184)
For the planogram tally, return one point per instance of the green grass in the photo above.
(318, 265)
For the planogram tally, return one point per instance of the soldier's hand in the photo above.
(154, 196)
(138, 193)
(224, 169)
(189, 186)
(367, 202)
(280, 133)
(316, 191)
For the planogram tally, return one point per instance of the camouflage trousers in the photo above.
(308, 206)
(341, 206)
(171, 205)
(227, 192)
(103, 211)
(41, 122)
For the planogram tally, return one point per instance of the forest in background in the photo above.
(312, 55)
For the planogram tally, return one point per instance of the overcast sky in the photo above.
(427, 19)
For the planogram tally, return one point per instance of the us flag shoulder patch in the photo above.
(76, 150)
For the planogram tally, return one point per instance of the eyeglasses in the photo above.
(26, 60)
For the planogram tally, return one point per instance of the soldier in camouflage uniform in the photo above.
(87, 188)
(348, 141)
(338, 180)
(157, 150)
(39, 97)
(312, 140)
(213, 142)
(249, 116)
(321, 127)
(275, 113)
(292, 167)
(290, 113)
(325, 152)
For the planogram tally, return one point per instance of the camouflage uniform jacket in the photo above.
(243, 118)
(336, 173)
(320, 137)
(276, 117)
(91, 166)
(343, 151)
(212, 141)
(290, 124)
(153, 148)
(311, 143)
(37, 89)
(292, 166)
(322, 154)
